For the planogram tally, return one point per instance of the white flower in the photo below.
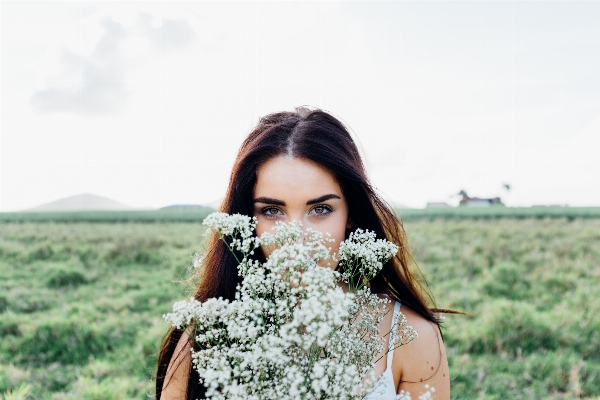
(291, 332)
(362, 256)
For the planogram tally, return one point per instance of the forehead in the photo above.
(290, 177)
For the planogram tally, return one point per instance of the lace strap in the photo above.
(393, 335)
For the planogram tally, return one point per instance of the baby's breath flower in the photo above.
(291, 332)
(362, 256)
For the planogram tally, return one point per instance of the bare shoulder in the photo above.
(422, 361)
(176, 378)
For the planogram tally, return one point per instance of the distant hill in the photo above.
(82, 202)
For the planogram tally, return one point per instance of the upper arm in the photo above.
(178, 371)
(423, 361)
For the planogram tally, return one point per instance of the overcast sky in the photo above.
(147, 103)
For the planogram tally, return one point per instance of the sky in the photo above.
(147, 103)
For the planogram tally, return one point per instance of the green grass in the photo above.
(149, 216)
(407, 214)
(532, 288)
(497, 212)
(81, 304)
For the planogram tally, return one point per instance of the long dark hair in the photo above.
(317, 136)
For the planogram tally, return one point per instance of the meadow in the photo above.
(81, 303)
(408, 214)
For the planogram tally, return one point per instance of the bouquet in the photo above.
(292, 332)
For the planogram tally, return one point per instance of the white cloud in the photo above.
(94, 84)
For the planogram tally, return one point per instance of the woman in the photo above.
(304, 166)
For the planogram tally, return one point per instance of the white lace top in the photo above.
(385, 389)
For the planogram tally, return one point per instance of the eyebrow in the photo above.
(323, 198)
(268, 200)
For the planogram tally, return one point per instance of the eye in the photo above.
(321, 210)
(271, 212)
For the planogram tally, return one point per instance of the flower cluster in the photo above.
(362, 256)
(292, 332)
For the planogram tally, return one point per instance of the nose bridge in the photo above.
(300, 216)
(296, 216)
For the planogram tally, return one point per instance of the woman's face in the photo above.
(296, 189)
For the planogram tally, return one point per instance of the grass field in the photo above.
(407, 214)
(149, 216)
(532, 288)
(499, 212)
(81, 304)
